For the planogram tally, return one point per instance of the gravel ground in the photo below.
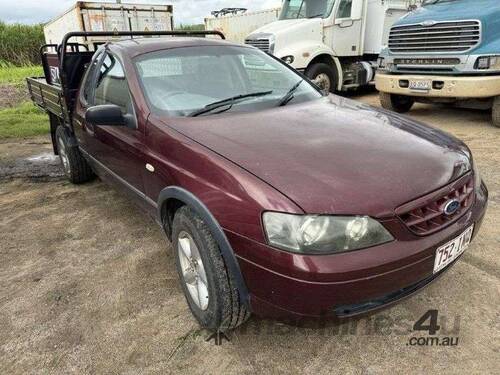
(88, 285)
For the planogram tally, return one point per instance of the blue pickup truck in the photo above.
(447, 51)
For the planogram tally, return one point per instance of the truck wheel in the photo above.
(207, 283)
(324, 76)
(496, 112)
(396, 103)
(75, 166)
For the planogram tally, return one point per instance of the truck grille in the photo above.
(458, 36)
(429, 217)
(262, 44)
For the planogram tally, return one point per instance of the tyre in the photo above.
(396, 103)
(74, 165)
(324, 76)
(496, 112)
(207, 283)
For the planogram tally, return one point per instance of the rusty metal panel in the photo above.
(150, 20)
(101, 16)
(105, 20)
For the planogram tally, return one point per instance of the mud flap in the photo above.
(54, 123)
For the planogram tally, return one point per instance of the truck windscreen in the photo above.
(294, 9)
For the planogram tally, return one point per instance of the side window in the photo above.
(87, 88)
(112, 86)
(345, 9)
(297, 8)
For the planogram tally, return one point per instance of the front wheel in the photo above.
(75, 166)
(324, 76)
(208, 285)
(496, 112)
(396, 103)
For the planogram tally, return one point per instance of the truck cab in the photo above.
(448, 51)
(335, 42)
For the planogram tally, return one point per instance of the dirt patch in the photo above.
(11, 96)
(31, 159)
(89, 286)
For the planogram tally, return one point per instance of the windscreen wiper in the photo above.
(290, 94)
(316, 16)
(229, 101)
(432, 2)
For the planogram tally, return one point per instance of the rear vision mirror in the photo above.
(105, 115)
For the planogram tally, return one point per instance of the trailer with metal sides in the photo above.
(113, 17)
(237, 23)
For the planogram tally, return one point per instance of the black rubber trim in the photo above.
(98, 164)
(227, 252)
(347, 311)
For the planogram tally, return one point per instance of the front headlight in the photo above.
(313, 234)
(488, 63)
(288, 59)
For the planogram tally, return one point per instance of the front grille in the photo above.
(447, 37)
(429, 217)
(262, 44)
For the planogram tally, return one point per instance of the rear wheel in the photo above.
(324, 76)
(396, 103)
(208, 285)
(74, 165)
(496, 112)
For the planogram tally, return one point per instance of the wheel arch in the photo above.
(329, 59)
(174, 197)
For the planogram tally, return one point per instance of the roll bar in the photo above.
(75, 47)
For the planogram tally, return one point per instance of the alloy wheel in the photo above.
(193, 270)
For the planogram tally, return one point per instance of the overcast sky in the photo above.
(185, 11)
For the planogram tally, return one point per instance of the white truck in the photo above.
(335, 42)
(105, 16)
(237, 23)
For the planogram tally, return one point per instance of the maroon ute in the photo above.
(277, 200)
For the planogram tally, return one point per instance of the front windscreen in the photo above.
(293, 9)
(182, 81)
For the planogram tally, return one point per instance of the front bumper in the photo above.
(293, 286)
(451, 86)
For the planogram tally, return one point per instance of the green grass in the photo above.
(23, 121)
(16, 75)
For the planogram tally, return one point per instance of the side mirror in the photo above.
(105, 115)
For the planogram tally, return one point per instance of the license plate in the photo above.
(420, 85)
(447, 253)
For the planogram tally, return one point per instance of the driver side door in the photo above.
(115, 152)
(344, 35)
